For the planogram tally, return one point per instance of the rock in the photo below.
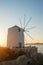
(11, 62)
(22, 60)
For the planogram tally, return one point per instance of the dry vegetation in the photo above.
(8, 54)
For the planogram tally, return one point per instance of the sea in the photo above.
(39, 48)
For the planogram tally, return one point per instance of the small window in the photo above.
(19, 30)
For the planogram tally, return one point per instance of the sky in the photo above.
(12, 10)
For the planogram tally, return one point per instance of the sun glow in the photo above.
(2, 38)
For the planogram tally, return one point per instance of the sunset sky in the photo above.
(11, 10)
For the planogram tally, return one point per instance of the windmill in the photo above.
(15, 37)
(25, 29)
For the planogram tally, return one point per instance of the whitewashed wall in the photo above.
(14, 37)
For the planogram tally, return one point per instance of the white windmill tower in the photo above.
(16, 35)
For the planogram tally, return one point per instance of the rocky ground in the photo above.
(22, 57)
(23, 60)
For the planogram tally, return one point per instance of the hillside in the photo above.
(20, 56)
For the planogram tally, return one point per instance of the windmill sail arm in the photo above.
(27, 30)
(31, 28)
(29, 35)
(28, 21)
(24, 21)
